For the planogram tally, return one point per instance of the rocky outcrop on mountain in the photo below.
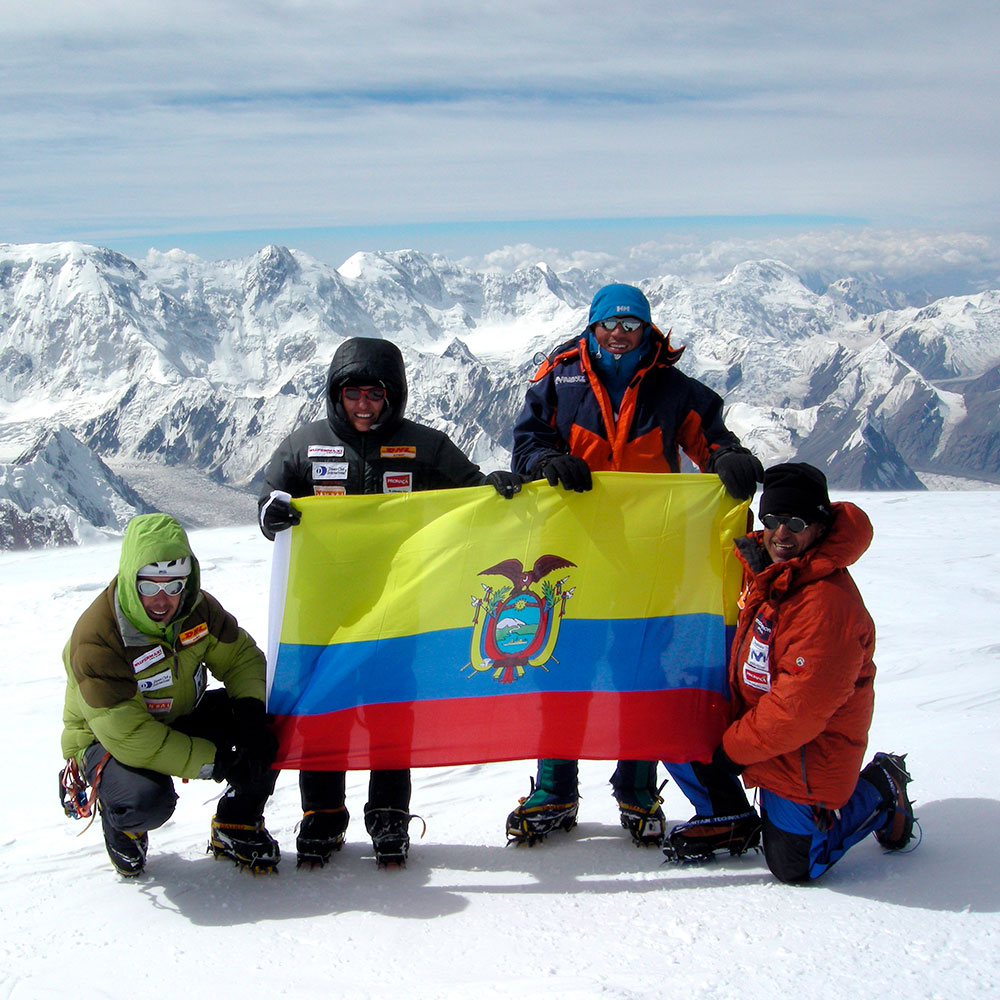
(60, 491)
(205, 365)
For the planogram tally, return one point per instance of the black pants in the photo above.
(136, 799)
(325, 790)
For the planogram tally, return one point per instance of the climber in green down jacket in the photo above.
(137, 708)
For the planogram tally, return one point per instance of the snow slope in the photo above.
(583, 915)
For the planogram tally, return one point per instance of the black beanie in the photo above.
(796, 489)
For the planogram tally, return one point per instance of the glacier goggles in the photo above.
(150, 588)
(794, 524)
(628, 323)
(375, 394)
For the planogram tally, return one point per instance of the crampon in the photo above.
(702, 837)
(249, 846)
(538, 814)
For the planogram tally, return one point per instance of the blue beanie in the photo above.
(619, 300)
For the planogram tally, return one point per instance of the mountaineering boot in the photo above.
(887, 772)
(321, 832)
(126, 850)
(639, 801)
(538, 814)
(701, 837)
(248, 844)
(388, 830)
(642, 816)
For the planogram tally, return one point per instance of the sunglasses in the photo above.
(353, 392)
(628, 323)
(150, 588)
(794, 524)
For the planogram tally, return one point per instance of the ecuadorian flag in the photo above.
(450, 627)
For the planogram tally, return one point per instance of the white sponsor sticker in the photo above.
(329, 470)
(757, 668)
(148, 659)
(397, 482)
(325, 451)
(161, 680)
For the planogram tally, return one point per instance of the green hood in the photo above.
(154, 538)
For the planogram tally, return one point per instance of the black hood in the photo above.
(367, 360)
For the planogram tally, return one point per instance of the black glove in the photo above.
(739, 469)
(505, 483)
(276, 514)
(572, 472)
(239, 767)
(225, 763)
(253, 731)
(724, 762)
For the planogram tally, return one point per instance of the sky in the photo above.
(505, 129)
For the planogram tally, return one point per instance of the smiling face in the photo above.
(161, 607)
(783, 544)
(362, 412)
(618, 340)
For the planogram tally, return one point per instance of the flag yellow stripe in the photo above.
(367, 567)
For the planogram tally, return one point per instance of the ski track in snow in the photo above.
(583, 915)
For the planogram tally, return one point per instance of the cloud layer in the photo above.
(148, 117)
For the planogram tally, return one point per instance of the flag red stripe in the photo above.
(679, 725)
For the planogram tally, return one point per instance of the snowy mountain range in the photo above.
(191, 364)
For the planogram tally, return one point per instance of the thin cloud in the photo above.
(221, 115)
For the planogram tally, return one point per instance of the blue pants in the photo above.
(709, 789)
(796, 849)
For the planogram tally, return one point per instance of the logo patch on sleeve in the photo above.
(158, 706)
(325, 451)
(193, 634)
(397, 482)
(148, 659)
(757, 668)
(330, 491)
(329, 470)
(398, 451)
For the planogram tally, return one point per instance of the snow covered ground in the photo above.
(585, 914)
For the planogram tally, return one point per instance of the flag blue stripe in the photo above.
(620, 655)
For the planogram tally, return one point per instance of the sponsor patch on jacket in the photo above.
(762, 627)
(193, 634)
(562, 379)
(397, 451)
(325, 451)
(148, 659)
(329, 470)
(397, 482)
(757, 668)
(158, 706)
(200, 682)
(330, 491)
(161, 680)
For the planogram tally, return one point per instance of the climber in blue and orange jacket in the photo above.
(612, 399)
